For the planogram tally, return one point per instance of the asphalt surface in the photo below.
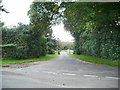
(63, 71)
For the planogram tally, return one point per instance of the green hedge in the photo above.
(8, 50)
(12, 51)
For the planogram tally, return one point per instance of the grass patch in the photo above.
(113, 63)
(13, 61)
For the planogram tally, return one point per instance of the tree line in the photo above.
(95, 27)
(19, 43)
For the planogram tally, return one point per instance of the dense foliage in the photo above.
(15, 36)
(41, 15)
(27, 44)
(36, 39)
(95, 27)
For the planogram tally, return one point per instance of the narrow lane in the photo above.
(63, 71)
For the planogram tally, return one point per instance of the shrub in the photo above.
(21, 53)
(8, 50)
(12, 51)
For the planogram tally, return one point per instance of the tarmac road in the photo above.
(63, 71)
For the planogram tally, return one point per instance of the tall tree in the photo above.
(41, 15)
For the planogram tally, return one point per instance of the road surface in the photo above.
(63, 71)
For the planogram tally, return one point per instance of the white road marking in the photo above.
(113, 77)
(105, 77)
(69, 74)
(50, 72)
(90, 76)
(62, 73)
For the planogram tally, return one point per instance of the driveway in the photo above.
(63, 71)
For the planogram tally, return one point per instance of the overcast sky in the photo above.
(18, 13)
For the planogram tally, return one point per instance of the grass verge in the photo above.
(13, 61)
(113, 63)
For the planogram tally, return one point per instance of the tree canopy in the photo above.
(95, 28)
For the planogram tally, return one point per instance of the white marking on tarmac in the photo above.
(69, 74)
(90, 76)
(50, 72)
(113, 77)
(105, 77)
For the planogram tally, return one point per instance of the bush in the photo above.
(36, 46)
(8, 50)
(21, 53)
(13, 51)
